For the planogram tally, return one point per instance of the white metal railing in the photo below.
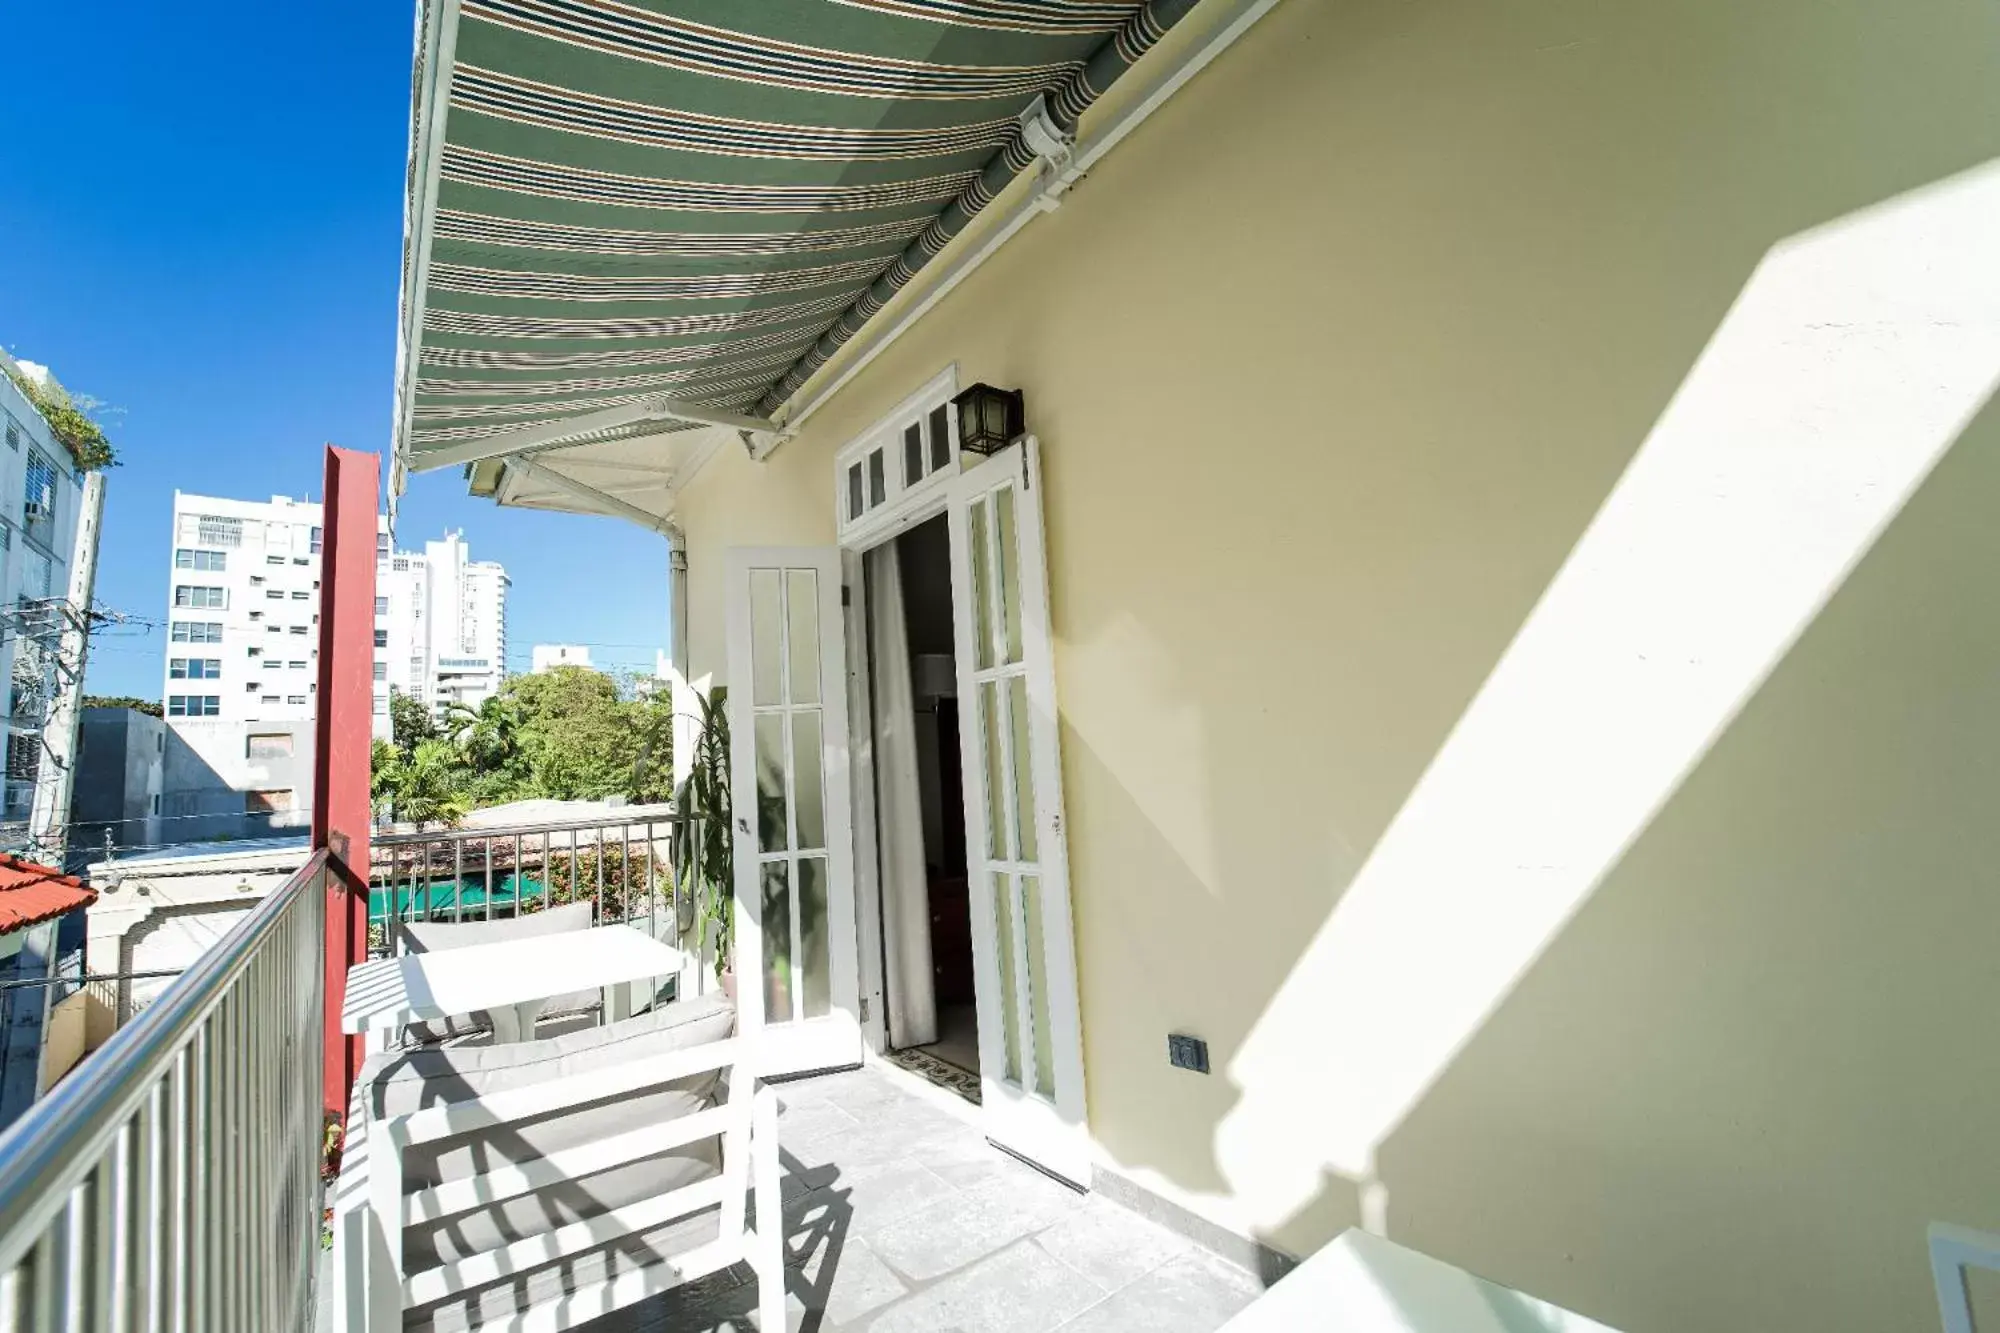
(172, 1182)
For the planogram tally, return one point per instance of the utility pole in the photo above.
(48, 821)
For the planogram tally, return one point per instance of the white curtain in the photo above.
(906, 908)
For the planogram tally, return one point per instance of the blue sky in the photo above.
(201, 225)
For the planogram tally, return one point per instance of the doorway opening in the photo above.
(928, 975)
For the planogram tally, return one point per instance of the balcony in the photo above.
(174, 1181)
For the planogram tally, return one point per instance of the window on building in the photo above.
(268, 745)
(255, 652)
(268, 629)
(381, 671)
(194, 668)
(300, 629)
(274, 802)
(196, 631)
(296, 666)
(194, 705)
(156, 803)
(399, 564)
(274, 594)
(274, 560)
(301, 595)
(202, 598)
(251, 688)
(215, 530)
(6, 535)
(24, 755)
(269, 699)
(381, 543)
(256, 580)
(184, 558)
(317, 536)
(381, 606)
(297, 700)
(381, 638)
(13, 434)
(381, 705)
(38, 490)
(301, 560)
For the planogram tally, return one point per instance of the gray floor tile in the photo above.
(958, 1231)
(1109, 1244)
(1023, 1289)
(843, 1283)
(1194, 1293)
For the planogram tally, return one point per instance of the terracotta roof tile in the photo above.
(32, 893)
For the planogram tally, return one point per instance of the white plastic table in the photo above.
(1362, 1283)
(513, 979)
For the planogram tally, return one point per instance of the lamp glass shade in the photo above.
(989, 419)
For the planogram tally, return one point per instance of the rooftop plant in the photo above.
(83, 437)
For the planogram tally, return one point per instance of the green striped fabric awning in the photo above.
(618, 201)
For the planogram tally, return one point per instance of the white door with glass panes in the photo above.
(1024, 956)
(797, 982)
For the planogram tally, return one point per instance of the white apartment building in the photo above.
(40, 493)
(242, 654)
(242, 665)
(549, 656)
(440, 626)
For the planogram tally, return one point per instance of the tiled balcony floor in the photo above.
(900, 1218)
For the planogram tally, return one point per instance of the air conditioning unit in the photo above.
(34, 511)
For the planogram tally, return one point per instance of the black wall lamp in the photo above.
(989, 419)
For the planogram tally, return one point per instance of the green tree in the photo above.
(410, 722)
(150, 707)
(430, 785)
(385, 771)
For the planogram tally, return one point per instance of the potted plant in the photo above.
(703, 849)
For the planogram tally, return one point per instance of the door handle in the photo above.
(743, 825)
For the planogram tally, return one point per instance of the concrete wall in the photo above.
(120, 771)
(1527, 700)
(208, 772)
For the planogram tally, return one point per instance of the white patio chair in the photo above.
(539, 1185)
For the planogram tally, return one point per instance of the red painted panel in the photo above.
(342, 736)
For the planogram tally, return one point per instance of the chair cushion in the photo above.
(438, 936)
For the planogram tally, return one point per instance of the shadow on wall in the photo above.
(1666, 961)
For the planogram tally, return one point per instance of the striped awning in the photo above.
(619, 204)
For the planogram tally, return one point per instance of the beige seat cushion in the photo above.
(398, 1083)
(438, 936)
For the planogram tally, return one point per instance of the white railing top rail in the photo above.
(621, 817)
(62, 1137)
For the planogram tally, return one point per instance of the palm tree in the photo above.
(488, 737)
(429, 786)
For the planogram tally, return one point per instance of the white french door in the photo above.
(1030, 1041)
(797, 983)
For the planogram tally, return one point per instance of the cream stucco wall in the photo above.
(1334, 362)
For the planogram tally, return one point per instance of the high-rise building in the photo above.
(441, 626)
(242, 654)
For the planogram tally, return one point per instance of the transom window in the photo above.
(905, 452)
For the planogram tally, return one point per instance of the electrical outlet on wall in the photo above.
(1187, 1053)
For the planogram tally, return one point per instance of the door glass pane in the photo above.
(1003, 931)
(777, 942)
(809, 800)
(940, 438)
(767, 637)
(1008, 573)
(996, 773)
(771, 782)
(982, 582)
(1024, 775)
(1038, 988)
(802, 613)
(815, 970)
(913, 454)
